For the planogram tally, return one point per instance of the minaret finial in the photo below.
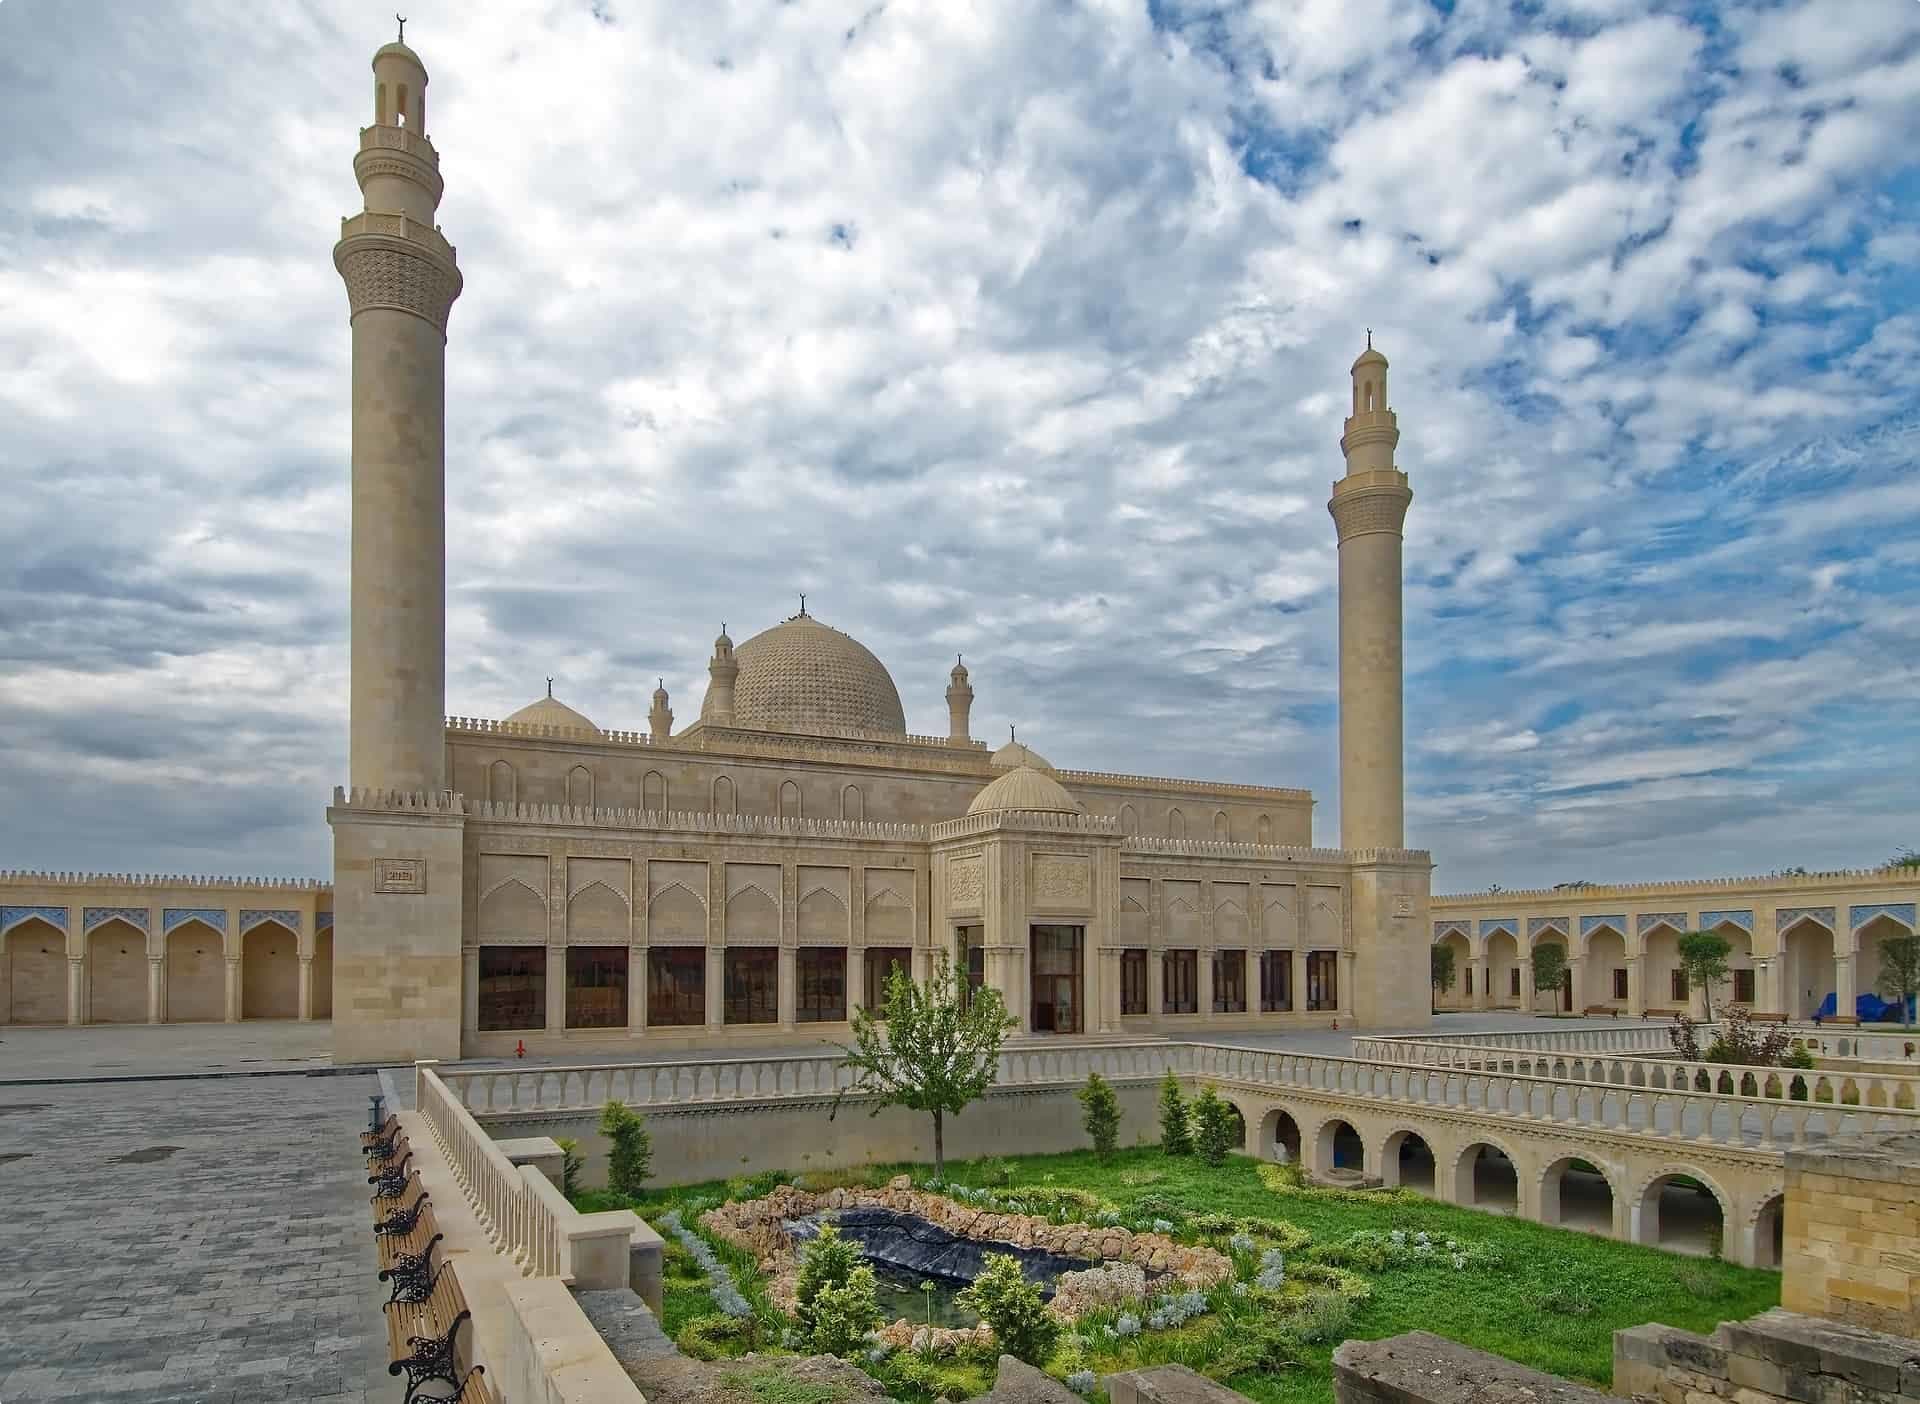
(403, 27)
(1010, 736)
(549, 687)
(1369, 338)
(803, 604)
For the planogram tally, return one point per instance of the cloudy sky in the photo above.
(1017, 328)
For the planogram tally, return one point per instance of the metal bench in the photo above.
(423, 1338)
(391, 1181)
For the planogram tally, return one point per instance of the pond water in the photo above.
(899, 1294)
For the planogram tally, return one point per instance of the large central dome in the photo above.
(801, 675)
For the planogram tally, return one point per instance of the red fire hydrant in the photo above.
(520, 1048)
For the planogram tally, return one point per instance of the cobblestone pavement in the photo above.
(203, 1240)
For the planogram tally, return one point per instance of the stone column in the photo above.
(306, 989)
(1845, 1011)
(233, 989)
(1765, 995)
(156, 989)
(1203, 977)
(1346, 990)
(1156, 982)
(637, 990)
(787, 995)
(76, 989)
(1527, 991)
(1579, 970)
(1300, 975)
(470, 989)
(1636, 988)
(556, 989)
(716, 988)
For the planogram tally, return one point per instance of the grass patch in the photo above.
(772, 1385)
(1554, 1301)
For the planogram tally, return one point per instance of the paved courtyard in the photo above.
(202, 1240)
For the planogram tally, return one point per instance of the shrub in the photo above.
(1012, 1306)
(1175, 1138)
(632, 1155)
(834, 1297)
(1100, 1113)
(717, 1336)
(571, 1163)
(1213, 1126)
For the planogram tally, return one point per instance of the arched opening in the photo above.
(1280, 1137)
(116, 974)
(789, 800)
(323, 974)
(1664, 983)
(1129, 821)
(1485, 1178)
(1867, 963)
(196, 974)
(1739, 987)
(501, 785)
(580, 787)
(1681, 1212)
(1263, 829)
(1222, 828)
(853, 804)
(1407, 1162)
(1239, 1122)
(1575, 1193)
(1606, 984)
(1176, 824)
(1770, 1233)
(269, 973)
(653, 792)
(722, 794)
(1340, 1153)
(1456, 995)
(36, 956)
(1807, 969)
(1558, 999)
(1503, 971)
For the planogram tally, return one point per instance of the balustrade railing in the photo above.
(1608, 1038)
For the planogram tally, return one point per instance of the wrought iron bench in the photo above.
(423, 1338)
(386, 1148)
(410, 1273)
(385, 1133)
(406, 1233)
(474, 1389)
(392, 1179)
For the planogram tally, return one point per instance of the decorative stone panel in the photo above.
(250, 918)
(1743, 920)
(174, 917)
(11, 917)
(402, 876)
(1649, 920)
(1061, 882)
(136, 917)
(1902, 912)
(966, 884)
(1617, 923)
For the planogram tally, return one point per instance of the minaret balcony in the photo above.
(398, 153)
(397, 226)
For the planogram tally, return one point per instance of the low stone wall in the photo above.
(758, 1226)
(1422, 1368)
(1852, 1240)
(1778, 1357)
(553, 1353)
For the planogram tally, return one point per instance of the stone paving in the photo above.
(146, 1050)
(205, 1240)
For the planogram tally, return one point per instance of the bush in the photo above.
(1012, 1306)
(1175, 1138)
(717, 1337)
(571, 1163)
(631, 1158)
(1100, 1113)
(834, 1297)
(1213, 1127)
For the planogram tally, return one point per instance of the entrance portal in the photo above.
(1054, 959)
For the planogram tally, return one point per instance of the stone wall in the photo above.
(1775, 1358)
(1853, 1232)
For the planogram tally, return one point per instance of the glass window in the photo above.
(970, 951)
(1514, 980)
(1180, 980)
(880, 961)
(1743, 987)
(676, 986)
(1276, 982)
(1468, 972)
(513, 987)
(820, 988)
(753, 985)
(1133, 982)
(1056, 978)
(1679, 984)
(1619, 982)
(596, 987)
(1229, 982)
(1323, 980)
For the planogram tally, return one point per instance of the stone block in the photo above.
(1164, 1384)
(1016, 1382)
(1422, 1368)
(1860, 1357)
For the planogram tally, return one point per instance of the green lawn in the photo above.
(1552, 1299)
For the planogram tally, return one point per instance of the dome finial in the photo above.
(403, 26)
(549, 687)
(803, 606)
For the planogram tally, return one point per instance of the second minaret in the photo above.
(401, 282)
(1369, 507)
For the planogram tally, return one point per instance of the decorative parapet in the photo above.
(1145, 847)
(1600, 892)
(400, 801)
(1025, 821)
(35, 878)
(694, 822)
(395, 262)
(1185, 787)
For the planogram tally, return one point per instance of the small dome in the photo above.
(399, 50)
(1369, 357)
(1025, 788)
(1016, 754)
(550, 711)
(802, 676)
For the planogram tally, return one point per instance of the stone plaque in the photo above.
(1061, 881)
(1403, 906)
(965, 883)
(399, 875)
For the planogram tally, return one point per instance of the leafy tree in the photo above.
(1175, 1137)
(937, 1052)
(1900, 972)
(1100, 1113)
(1212, 1126)
(834, 1298)
(1013, 1307)
(571, 1163)
(631, 1158)
(1703, 956)
(1549, 966)
(1443, 962)
(1907, 858)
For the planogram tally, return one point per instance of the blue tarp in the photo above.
(1868, 1008)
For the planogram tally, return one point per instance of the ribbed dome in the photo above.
(550, 711)
(1015, 754)
(1025, 788)
(803, 676)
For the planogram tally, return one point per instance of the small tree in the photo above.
(1212, 1127)
(1443, 963)
(1900, 972)
(1013, 1307)
(571, 1163)
(1176, 1138)
(835, 1298)
(1549, 966)
(937, 1052)
(1703, 956)
(1100, 1113)
(1906, 858)
(631, 1158)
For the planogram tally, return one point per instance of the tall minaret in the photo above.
(721, 672)
(401, 282)
(660, 717)
(959, 704)
(1369, 505)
